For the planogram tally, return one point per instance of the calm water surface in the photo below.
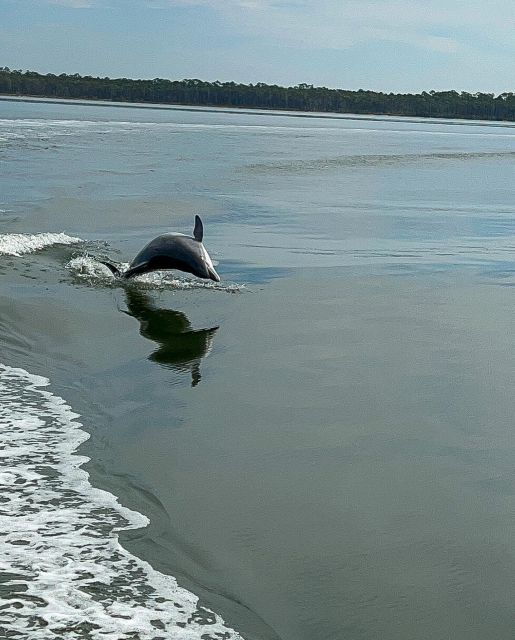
(324, 445)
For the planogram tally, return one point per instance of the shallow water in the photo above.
(320, 447)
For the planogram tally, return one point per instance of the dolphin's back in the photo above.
(169, 251)
(172, 251)
(168, 243)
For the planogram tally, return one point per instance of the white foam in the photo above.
(17, 244)
(44, 129)
(90, 270)
(65, 573)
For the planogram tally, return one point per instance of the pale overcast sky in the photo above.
(388, 45)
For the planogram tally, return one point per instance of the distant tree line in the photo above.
(302, 97)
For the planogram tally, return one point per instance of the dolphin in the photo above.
(180, 347)
(172, 251)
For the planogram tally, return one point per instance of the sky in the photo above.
(384, 45)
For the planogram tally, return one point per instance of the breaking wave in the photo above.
(376, 160)
(17, 244)
(64, 572)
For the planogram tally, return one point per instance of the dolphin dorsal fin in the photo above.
(198, 231)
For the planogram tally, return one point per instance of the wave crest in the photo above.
(17, 244)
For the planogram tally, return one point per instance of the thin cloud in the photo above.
(73, 4)
(440, 26)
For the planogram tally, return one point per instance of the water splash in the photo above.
(89, 270)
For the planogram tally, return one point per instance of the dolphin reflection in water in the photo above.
(181, 348)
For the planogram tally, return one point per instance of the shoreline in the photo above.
(327, 115)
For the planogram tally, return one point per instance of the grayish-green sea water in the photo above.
(324, 444)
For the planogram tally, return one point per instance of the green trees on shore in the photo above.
(303, 97)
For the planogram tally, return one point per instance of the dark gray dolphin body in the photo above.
(173, 251)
